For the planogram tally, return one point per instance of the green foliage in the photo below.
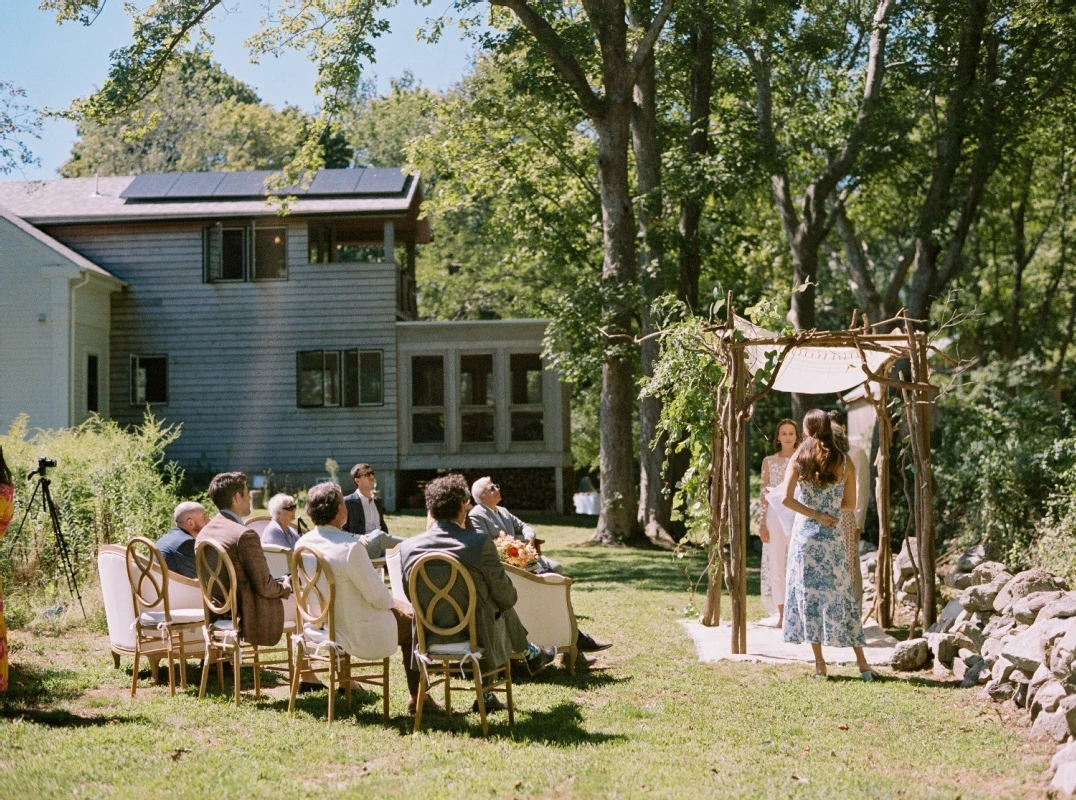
(1003, 447)
(198, 118)
(17, 122)
(686, 378)
(110, 485)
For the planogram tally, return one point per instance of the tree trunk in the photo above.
(655, 502)
(617, 521)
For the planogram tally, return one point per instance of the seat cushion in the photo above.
(180, 616)
(451, 649)
(222, 625)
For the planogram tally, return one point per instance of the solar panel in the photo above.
(335, 181)
(149, 186)
(243, 184)
(195, 184)
(383, 180)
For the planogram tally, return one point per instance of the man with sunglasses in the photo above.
(366, 514)
(488, 516)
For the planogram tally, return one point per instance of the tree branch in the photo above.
(558, 53)
(646, 45)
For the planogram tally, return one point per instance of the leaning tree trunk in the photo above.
(802, 314)
(617, 521)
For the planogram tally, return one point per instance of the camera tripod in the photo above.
(49, 506)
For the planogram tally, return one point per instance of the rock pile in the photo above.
(1015, 635)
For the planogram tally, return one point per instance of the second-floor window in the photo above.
(244, 253)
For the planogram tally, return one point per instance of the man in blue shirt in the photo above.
(177, 546)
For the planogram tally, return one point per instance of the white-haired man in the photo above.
(489, 517)
(177, 546)
(279, 532)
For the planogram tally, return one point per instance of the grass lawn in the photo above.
(652, 722)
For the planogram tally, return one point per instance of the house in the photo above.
(277, 341)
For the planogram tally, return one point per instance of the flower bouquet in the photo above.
(513, 551)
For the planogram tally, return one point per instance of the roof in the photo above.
(198, 195)
(60, 249)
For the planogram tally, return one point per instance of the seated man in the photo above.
(259, 596)
(369, 623)
(279, 531)
(366, 514)
(177, 546)
(500, 633)
(490, 518)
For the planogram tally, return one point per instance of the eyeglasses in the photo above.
(492, 488)
(288, 508)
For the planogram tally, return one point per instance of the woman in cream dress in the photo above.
(774, 540)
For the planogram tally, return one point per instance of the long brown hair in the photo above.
(777, 433)
(5, 473)
(818, 460)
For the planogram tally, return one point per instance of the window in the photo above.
(476, 398)
(319, 243)
(93, 404)
(149, 379)
(427, 399)
(363, 379)
(332, 378)
(247, 252)
(527, 411)
(270, 254)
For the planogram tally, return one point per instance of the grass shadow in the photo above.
(60, 718)
(33, 685)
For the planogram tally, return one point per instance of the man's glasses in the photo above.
(492, 488)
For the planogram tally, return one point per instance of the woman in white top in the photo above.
(774, 540)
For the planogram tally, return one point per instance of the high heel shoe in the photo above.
(867, 676)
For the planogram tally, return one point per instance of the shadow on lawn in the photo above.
(31, 688)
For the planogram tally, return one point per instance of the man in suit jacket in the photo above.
(260, 597)
(369, 622)
(279, 532)
(500, 632)
(491, 518)
(177, 546)
(366, 514)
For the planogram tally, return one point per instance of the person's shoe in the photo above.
(493, 703)
(583, 661)
(867, 676)
(540, 660)
(588, 644)
(429, 704)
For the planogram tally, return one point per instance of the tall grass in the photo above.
(110, 485)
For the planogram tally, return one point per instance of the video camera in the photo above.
(42, 465)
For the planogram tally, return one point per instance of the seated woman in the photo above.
(279, 532)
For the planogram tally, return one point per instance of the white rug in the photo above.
(764, 644)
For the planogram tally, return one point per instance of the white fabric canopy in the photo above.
(811, 370)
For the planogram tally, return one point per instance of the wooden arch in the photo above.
(733, 406)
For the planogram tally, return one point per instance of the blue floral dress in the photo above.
(820, 607)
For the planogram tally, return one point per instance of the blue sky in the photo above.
(56, 64)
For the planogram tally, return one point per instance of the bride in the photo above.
(774, 540)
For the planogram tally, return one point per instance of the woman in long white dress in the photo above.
(774, 540)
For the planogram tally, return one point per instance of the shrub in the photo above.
(110, 485)
(1004, 447)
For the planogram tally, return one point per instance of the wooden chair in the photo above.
(216, 575)
(155, 619)
(317, 651)
(447, 662)
(258, 523)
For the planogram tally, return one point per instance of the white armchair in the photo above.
(545, 609)
(120, 610)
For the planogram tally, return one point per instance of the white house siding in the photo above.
(231, 348)
(92, 314)
(34, 330)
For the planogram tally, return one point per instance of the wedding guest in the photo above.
(260, 597)
(500, 632)
(279, 532)
(820, 486)
(7, 511)
(366, 513)
(177, 546)
(369, 622)
(774, 540)
(586, 500)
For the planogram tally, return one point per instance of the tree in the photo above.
(18, 121)
(197, 118)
